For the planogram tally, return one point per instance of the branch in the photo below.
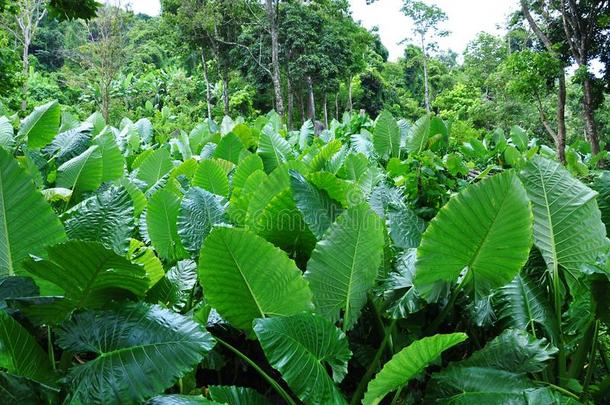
(265, 68)
(541, 35)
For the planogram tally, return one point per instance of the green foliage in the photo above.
(316, 252)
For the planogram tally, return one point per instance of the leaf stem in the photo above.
(397, 395)
(369, 372)
(585, 387)
(557, 304)
(441, 317)
(259, 370)
(560, 389)
(50, 348)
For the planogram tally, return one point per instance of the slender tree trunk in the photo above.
(561, 118)
(325, 111)
(349, 94)
(105, 89)
(590, 126)
(302, 108)
(225, 91)
(275, 59)
(208, 93)
(561, 96)
(26, 72)
(311, 101)
(426, 85)
(337, 106)
(290, 100)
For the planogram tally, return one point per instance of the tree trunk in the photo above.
(426, 88)
(349, 94)
(105, 89)
(302, 108)
(325, 111)
(311, 102)
(26, 72)
(208, 93)
(561, 96)
(290, 100)
(561, 118)
(590, 126)
(337, 106)
(225, 91)
(275, 59)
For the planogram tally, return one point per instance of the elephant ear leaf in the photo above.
(200, 210)
(496, 374)
(318, 209)
(106, 217)
(88, 275)
(386, 138)
(41, 126)
(128, 370)
(407, 364)
(27, 222)
(486, 229)
(344, 264)
(568, 229)
(301, 347)
(20, 355)
(245, 277)
(236, 395)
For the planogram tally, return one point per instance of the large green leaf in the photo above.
(179, 399)
(129, 369)
(41, 126)
(70, 143)
(161, 217)
(236, 395)
(83, 172)
(27, 222)
(211, 176)
(273, 214)
(20, 354)
(106, 217)
(200, 210)
(405, 227)
(487, 229)
(496, 374)
(302, 347)
(155, 166)
(7, 139)
(601, 184)
(174, 289)
(417, 139)
(343, 266)
(568, 229)
(525, 303)
(229, 148)
(245, 277)
(408, 363)
(318, 209)
(386, 138)
(113, 163)
(89, 275)
(273, 149)
(22, 390)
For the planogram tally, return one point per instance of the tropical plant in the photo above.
(226, 267)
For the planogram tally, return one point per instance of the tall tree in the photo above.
(586, 23)
(271, 9)
(24, 25)
(426, 20)
(560, 135)
(104, 53)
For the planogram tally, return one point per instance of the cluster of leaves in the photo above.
(301, 267)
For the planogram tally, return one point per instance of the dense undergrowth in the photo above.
(242, 263)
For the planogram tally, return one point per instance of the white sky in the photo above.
(466, 19)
